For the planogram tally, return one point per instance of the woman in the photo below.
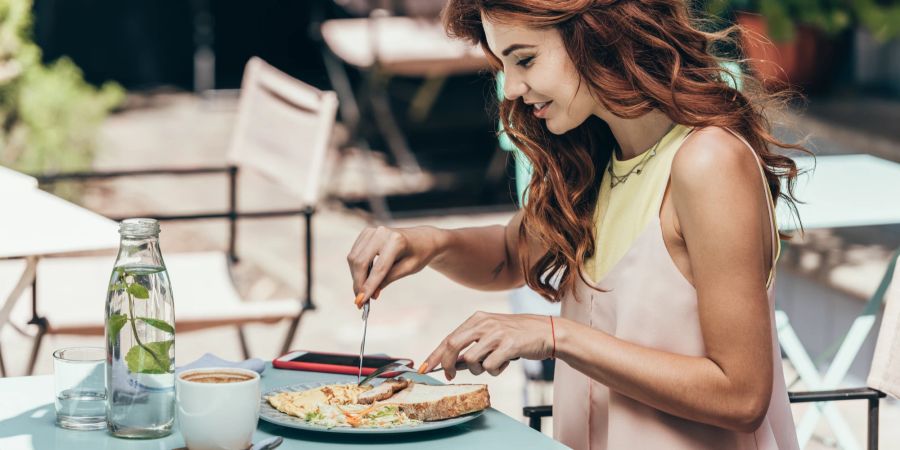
(649, 215)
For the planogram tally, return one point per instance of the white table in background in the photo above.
(35, 224)
(10, 179)
(838, 191)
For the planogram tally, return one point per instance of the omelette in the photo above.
(300, 404)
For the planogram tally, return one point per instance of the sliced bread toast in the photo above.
(428, 403)
(383, 391)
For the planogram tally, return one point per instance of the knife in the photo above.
(402, 365)
(362, 345)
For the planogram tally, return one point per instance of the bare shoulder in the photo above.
(714, 158)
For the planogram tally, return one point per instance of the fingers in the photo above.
(497, 360)
(358, 260)
(476, 354)
(447, 353)
(371, 259)
(387, 255)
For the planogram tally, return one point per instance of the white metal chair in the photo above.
(847, 350)
(282, 132)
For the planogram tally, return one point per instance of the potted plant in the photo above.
(49, 116)
(787, 41)
(876, 45)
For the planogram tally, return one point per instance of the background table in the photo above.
(27, 422)
(10, 179)
(35, 224)
(844, 191)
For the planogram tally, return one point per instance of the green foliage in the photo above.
(138, 291)
(881, 18)
(49, 116)
(152, 357)
(158, 324)
(114, 325)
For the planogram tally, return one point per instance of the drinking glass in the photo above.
(79, 381)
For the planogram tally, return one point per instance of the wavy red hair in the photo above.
(635, 56)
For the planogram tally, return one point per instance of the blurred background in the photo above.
(104, 85)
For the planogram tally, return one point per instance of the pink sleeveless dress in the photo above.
(649, 302)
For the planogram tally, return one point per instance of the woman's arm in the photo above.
(484, 258)
(717, 192)
(479, 257)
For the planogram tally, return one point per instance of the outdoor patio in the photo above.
(413, 144)
(409, 319)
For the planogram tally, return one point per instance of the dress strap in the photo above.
(665, 187)
(776, 242)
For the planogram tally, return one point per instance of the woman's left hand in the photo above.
(490, 341)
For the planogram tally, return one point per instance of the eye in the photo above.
(525, 62)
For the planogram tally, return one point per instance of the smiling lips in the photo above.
(540, 109)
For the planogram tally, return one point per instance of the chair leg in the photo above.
(535, 413)
(2, 366)
(292, 330)
(387, 125)
(873, 424)
(43, 325)
(243, 338)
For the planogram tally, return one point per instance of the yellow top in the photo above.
(632, 204)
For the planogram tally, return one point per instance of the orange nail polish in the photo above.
(359, 298)
(424, 367)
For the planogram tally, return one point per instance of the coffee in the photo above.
(216, 377)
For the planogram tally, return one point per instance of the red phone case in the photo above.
(334, 368)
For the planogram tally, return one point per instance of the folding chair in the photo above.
(282, 131)
(884, 374)
(847, 349)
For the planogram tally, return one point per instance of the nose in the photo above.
(513, 86)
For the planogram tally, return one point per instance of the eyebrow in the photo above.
(515, 47)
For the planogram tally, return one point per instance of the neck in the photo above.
(634, 136)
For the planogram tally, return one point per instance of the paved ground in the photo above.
(410, 319)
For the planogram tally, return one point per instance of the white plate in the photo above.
(272, 415)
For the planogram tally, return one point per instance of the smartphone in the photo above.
(342, 363)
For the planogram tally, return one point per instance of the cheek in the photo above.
(572, 114)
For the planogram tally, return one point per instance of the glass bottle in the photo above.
(140, 337)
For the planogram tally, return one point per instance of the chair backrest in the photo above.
(884, 374)
(283, 129)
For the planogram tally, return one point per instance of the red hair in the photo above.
(634, 56)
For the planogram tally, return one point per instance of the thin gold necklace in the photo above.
(616, 180)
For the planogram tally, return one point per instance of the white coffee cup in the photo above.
(217, 415)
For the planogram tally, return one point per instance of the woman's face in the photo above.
(538, 69)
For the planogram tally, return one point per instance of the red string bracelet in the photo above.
(553, 333)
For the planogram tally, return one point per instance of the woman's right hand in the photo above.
(399, 251)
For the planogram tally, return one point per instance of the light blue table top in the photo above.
(27, 422)
(844, 191)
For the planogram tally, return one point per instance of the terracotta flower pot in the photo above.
(803, 61)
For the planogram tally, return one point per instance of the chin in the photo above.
(558, 127)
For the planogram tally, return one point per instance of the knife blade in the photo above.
(402, 365)
(362, 345)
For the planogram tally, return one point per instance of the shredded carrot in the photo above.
(368, 410)
(352, 419)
